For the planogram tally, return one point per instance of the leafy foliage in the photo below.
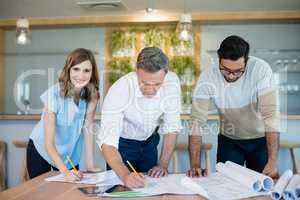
(184, 67)
(153, 37)
(175, 41)
(119, 67)
(120, 40)
(180, 64)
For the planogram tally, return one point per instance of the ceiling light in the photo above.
(184, 27)
(149, 10)
(23, 34)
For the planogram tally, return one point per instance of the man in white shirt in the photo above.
(137, 107)
(243, 90)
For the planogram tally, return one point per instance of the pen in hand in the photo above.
(72, 164)
(74, 173)
(135, 172)
(132, 168)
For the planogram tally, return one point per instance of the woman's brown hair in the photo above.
(74, 58)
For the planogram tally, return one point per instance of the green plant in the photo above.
(121, 39)
(175, 41)
(184, 67)
(153, 37)
(186, 93)
(119, 67)
(180, 64)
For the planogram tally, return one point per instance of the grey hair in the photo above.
(152, 59)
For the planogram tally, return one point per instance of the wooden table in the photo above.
(38, 189)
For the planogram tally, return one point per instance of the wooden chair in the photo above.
(206, 147)
(292, 145)
(24, 173)
(3, 185)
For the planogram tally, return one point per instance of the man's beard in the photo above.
(231, 80)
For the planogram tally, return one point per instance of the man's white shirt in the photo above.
(127, 113)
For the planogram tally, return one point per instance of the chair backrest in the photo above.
(205, 147)
(24, 173)
(3, 185)
(20, 143)
(292, 146)
(289, 144)
(184, 146)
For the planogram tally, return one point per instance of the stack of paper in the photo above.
(170, 184)
(220, 187)
(101, 178)
(231, 181)
(193, 186)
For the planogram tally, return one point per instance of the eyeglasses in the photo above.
(237, 73)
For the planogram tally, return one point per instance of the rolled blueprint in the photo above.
(266, 181)
(194, 187)
(298, 191)
(290, 191)
(239, 176)
(281, 184)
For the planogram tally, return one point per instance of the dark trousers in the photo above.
(253, 152)
(141, 154)
(36, 164)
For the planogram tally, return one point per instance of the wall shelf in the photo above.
(98, 117)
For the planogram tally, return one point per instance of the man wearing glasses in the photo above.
(243, 90)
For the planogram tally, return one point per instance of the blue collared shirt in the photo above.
(68, 126)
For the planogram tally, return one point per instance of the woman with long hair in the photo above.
(69, 110)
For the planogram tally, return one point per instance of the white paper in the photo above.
(221, 187)
(170, 184)
(289, 192)
(193, 186)
(265, 181)
(281, 184)
(298, 191)
(241, 177)
(216, 187)
(100, 178)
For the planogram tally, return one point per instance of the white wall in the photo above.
(47, 52)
